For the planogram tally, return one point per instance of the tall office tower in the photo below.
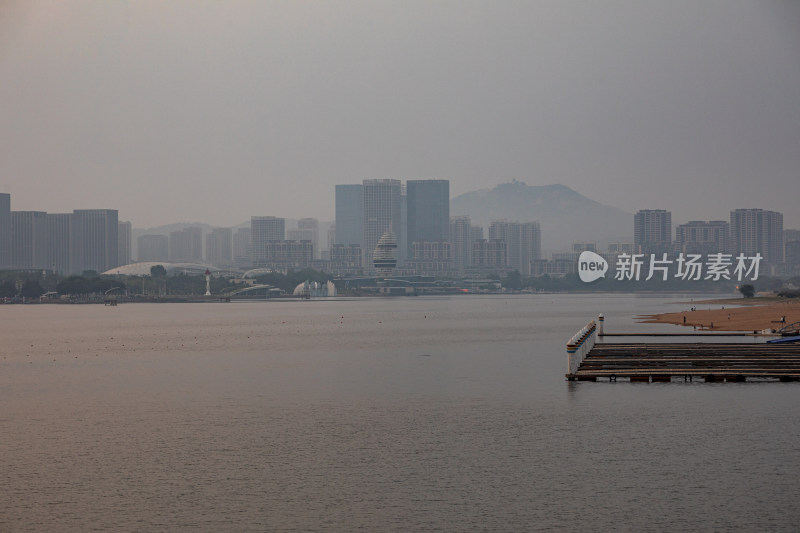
(381, 214)
(59, 231)
(530, 246)
(621, 247)
(349, 214)
(124, 244)
(428, 212)
(186, 245)
(431, 258)
(652, 230)
(242, 247)
(195, 243)
(509, 233)
(489, 254)
(307, 230)
(264, 230)
(698, 237)
(94, 240)
(791, 246)
(285, 255)
(584, 247)
(402, 233)
(219, 249)
(28, 239)
(5, 230)
(461, 240)
(331, 241)
(178, 246)
(345, 259)
(152, 248)
(757, 231)
(523, 243)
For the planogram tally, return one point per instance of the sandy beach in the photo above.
(733, 316)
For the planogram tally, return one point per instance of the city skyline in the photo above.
(131, 106)
(243, 221)
(97, 240)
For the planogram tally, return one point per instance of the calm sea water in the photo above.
(407, 414)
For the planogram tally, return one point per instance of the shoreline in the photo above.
(731, 315)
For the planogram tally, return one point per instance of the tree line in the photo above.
(33, 284)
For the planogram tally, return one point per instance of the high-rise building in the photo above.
(530, 246)
(94, 240)
(621, 247)
(242, 247)
(349, 214)
(584, 247)
(152, 248)
(345, 259)
(331, 240)
(652, 230)
(59, 231)
(28, 239)
(791, 245)
(5, 230)
(698, 237)
(757, 231)
(791, 235)
(523, 243)
(219, 248)
(489, 254)
(428, 212)
(124, 244)
(381, 214)
(264, 230)
(402, 233)
(186, 245)
(307, 230)
(461, 240)
(284, 255)
(431, 258)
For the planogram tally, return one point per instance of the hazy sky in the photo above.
(215, 111)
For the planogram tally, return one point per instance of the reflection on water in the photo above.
(382, 415)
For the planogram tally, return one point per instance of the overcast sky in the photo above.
(214, 111)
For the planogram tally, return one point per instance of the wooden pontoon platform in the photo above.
(710, 361)
(589, 360)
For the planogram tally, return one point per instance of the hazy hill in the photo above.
(566, 216)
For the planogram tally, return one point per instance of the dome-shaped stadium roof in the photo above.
(143, 269)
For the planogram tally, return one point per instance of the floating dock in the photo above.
(589, 360)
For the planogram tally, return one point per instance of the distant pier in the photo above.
(588, 360)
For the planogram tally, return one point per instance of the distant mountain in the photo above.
(565, 215)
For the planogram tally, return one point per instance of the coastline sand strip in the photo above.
(726, 318)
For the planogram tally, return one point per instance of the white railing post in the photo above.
(579, 345)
